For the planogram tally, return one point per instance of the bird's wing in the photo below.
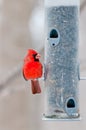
(24, 75)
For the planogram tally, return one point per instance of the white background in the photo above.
(19, 109)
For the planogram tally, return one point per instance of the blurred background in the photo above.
(21, 27)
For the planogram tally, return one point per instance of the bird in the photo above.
(32, 70)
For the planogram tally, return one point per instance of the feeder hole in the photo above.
(53, 34)
(70, 103)
(53, 44)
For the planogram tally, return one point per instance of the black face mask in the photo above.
(34, 55)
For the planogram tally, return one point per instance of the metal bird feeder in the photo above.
(61, 60)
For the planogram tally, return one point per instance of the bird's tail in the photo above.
(35, 86)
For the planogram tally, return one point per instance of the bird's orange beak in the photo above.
(38, 56)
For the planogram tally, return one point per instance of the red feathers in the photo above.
(32, 70)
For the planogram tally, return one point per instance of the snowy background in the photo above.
(21, 27)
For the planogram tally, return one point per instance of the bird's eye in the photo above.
(34, 56)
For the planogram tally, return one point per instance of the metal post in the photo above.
(61, 59)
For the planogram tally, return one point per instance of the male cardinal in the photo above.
(32, 69)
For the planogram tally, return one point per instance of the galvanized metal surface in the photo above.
(61, 62)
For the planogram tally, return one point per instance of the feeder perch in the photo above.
(61, 60)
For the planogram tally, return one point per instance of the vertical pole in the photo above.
(61, 59)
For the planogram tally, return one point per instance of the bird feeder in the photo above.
(61, 60)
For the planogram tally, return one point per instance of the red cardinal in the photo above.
(32, 70)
